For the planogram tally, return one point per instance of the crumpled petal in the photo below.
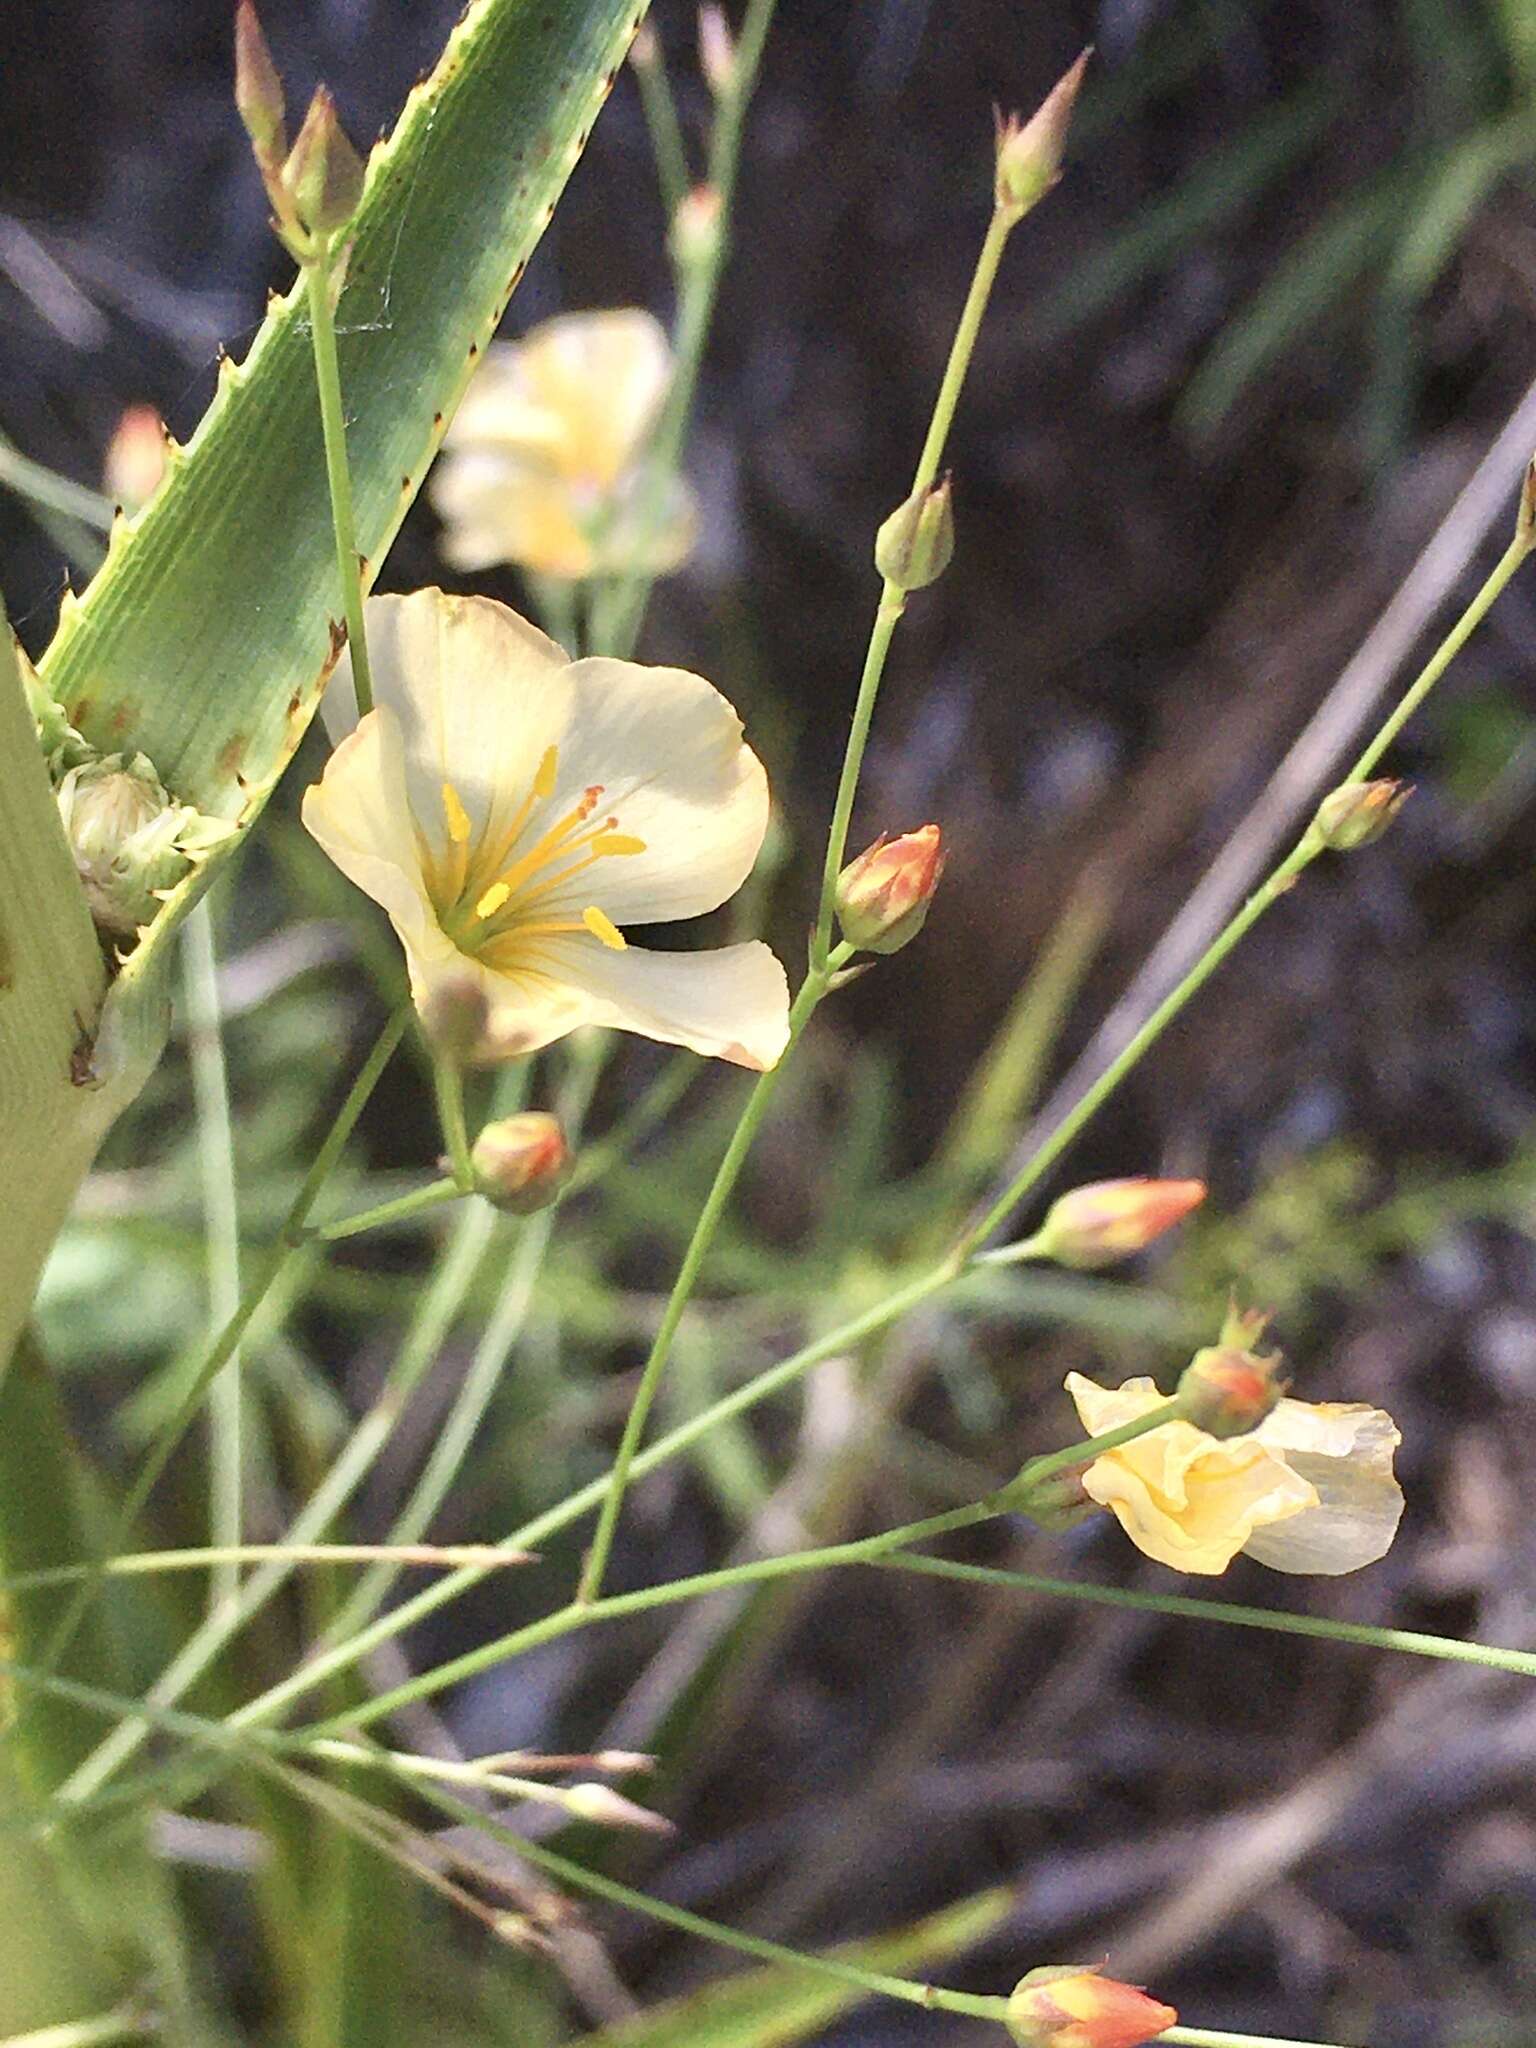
(1344, 1449)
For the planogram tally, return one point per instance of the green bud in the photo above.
(915, 545)
(258, 89)
(323, 175)
(1029, 152)
(1359, 812)
(131, 843)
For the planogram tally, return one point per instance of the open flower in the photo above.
(542, 461)
(1310, 1490)
(511, 809)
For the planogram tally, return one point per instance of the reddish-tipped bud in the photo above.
(717, 50)
(1029, 152)
(694, 238)
(1110, 1219)
(883, 896)
(1359, 812)
(323, 175)
(258, 90)
(521, 1163)
(135, 458)
(916, 544)
(1228, 1389)
(1077, 2007)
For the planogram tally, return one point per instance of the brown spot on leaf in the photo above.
(230, 755)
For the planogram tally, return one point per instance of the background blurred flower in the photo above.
(1310, 1490)
(510, 809)
(542, 463)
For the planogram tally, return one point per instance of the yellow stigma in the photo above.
(492, 900)
(603, 928)
(456, 815)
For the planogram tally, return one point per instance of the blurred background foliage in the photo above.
(1237, 369)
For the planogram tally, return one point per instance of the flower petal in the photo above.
(666, 749)
(1223, 1508)
(730, 1003)
(1344, 1449)
(358, 814)
(500, 508)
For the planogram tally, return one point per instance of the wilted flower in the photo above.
(131, 843)
(1106, 1220)
(511, 809)
(883, 896)
(521, 1162)
(1078, 2007)
(1310, 1490)
(542, 462)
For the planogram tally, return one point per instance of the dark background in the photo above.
(1164, 560)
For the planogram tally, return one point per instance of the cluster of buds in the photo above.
(1357, 813)
(522, 1162)
(1029, 152)
(1229, 1388)
(883, 896)
(131, 843)
(314, 186)
(1109, 1220)
(1076, 2006)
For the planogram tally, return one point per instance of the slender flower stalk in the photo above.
(318, 283)
(216, 1161)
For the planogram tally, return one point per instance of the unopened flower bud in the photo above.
(455, 1015)
(916, 544)
(1077, 2007)
(1228, 1389)
(694, 239)
(611, 1809)
(1029, 152)
(717, 49)
(135, 458)
(883, 896)
(323, 174)
(131, 843)
(521, 1163)
(258, 89)
(1110, 1219)
(1359, 812)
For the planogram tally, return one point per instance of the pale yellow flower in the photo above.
(511, 809)
(541, 462)
(1310, 1490)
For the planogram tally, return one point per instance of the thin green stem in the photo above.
(1443, 656)
(580, 1613)
(892, 599)
(221, 1224)
(488, 1366)
(138, 1563)
(402, 1209)
(448, 1080)
(439, 1307)
(1410, 1642)
(649, 64)
(349, 568)
(812, 989)
(124, 2025)
(616, 626)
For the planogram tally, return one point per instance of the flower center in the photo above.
(494, 901)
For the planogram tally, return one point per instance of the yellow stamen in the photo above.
(544, 780)
(456, 815)
(492, 900)
(603, 928)
(617, 842)
(543, 851)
